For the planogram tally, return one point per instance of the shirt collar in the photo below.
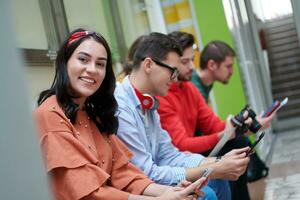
(207, 88)
(130, 91)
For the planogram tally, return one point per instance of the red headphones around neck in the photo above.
(148, 102)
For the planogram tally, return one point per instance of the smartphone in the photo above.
(207, 172)
(275, 107)
(271, 109)
(255, 143)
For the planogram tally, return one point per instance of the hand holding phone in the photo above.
(255, 143)
(275, 107)
(205, 175)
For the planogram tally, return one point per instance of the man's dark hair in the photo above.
(157, 46)
(216, 51)
(184, 39)
(102, 105)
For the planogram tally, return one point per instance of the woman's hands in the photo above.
(185, 190)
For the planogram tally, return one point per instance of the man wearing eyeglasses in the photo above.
(183, 111)
(154, 71)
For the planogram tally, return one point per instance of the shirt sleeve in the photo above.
(82, 183)
(207, 122)
(170, 155)
(107, 192)
(74, 172)
(124, 174)
(131, 136)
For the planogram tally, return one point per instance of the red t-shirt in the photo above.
(183, 111)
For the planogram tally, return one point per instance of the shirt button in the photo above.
(103, 161)
(61, 121)
(85, 126)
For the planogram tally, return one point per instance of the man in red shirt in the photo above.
(184, 110)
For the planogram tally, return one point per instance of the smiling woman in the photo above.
(77, 65)
(77, 122)
(86, 69)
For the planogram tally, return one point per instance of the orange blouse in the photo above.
(82, 162)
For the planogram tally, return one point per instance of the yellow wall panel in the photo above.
(170, 14)
(183, 10)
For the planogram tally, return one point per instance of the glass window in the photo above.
(271, 9)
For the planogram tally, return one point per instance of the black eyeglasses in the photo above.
(174, 70)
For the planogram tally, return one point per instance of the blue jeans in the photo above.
(221, 188)
(209, 194)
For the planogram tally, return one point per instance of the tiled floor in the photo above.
(283, 188)
(283, 181)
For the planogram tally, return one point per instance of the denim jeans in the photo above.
(209, 194)
(221, 188)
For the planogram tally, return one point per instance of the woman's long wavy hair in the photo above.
(102, 105)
